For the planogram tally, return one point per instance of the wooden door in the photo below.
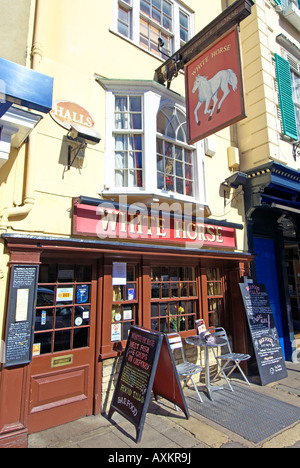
(62, 368)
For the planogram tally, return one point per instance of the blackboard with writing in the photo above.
(138, 375)
(20, 318)
(264, 334)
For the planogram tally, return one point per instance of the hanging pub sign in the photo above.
(268, 352)
(214, 87)
(147, 365)
(21, 315)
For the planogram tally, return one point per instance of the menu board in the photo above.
(20, 318)
(137, 377)
(264, 334)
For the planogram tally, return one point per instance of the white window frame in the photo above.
(135, 22)
(294, 68)
(154, 98)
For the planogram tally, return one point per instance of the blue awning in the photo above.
(4, 106)
(25, 87)
(273, 184)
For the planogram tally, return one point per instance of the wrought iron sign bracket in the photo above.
(229, 18)
(296, 150)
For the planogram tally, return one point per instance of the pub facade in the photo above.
(109, 217)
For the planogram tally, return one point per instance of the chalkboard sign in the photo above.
(21, 312)
(264, 334)
(146, 351)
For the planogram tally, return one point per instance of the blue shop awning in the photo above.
(4, 106)
(273, 185)
(25, 87)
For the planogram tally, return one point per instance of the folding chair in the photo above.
(228, 356)
(185, 369)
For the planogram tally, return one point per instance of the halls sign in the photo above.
(65, 113)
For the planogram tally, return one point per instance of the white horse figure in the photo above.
(208, 90)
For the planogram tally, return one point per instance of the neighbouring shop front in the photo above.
(89, 293)
(272, 203)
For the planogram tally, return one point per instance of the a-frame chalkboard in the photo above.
(268, 352)
(147, 365)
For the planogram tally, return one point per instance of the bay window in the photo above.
(147, 153)
(175, 162)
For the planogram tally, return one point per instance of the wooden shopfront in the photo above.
(89, 293)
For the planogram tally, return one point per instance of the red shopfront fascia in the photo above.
(108, 222)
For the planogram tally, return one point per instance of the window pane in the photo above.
(179, 169)
(160, 163)
(179, 186)
(81, 316)
(169, 166)
(45, 342)
(124, 21)
(123, 16)
(154, 310)
(170, 183)
(81, 338)
(66, 273)
(121, 143)
(63, 317)
(45, 296)
(145, 7)
(84, 273)
(135, 104)
(135, 142)
(121, 160)
(44, 319)
(136, 121)
(121, 179)
(62, 340)
(47, 273)
(156, 15)
(156, 4)
(160, 181)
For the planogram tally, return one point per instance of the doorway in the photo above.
(63, 365)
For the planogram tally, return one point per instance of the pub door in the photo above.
(62, 368)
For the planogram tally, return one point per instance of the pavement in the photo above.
(167, 429)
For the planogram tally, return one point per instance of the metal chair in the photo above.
(229, 356)
(185, 369)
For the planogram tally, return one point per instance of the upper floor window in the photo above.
(145, 21)
(128, 141)
(296, 96)
(288, 85)
(147, 152)
(125, 18)
(286, 3)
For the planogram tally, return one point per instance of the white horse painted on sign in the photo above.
(208, 90)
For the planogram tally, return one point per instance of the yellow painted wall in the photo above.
(76, 44)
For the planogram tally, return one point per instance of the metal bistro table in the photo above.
(200, 341)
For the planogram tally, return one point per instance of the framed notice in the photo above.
(214, 87)
(21, 315)
(119, 274)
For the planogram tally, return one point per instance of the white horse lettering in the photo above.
(208, 90)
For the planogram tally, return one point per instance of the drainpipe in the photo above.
(29, 200)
